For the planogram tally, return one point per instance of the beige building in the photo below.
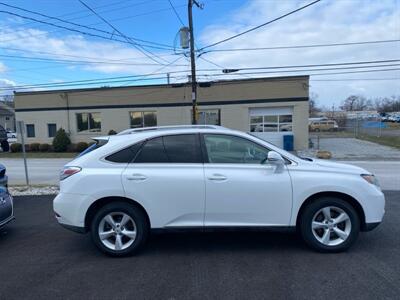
(269, 107)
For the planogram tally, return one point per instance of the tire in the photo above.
(136, 226)
(328, 237)
(5, 146)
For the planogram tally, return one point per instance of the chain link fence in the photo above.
(370, 127)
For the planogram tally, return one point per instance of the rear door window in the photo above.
(153, 151)
(184, 148)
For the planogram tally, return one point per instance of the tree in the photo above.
(312, 105)
(387, 104)
(356, 103)
(61, 141)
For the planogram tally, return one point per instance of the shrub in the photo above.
(112, 132)
(34, 147)
(81, 146)
(16, 147)
(71, 148)
(44, 147)
(27, 147)
(61, 141)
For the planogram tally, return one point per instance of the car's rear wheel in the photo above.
(119, 229)
(329, 225)
(5, 146)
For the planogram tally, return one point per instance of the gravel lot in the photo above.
(41, 260)
(354, 149)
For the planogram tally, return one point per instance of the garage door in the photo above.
(271, 124)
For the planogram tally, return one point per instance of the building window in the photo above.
(30, 130)
(143, 119)
(209, 117)
(276, 123)
(52, 129)
(90, 122)
(7, 118)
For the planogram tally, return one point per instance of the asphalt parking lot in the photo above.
(41, 260)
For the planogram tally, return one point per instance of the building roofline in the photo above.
(204, 83)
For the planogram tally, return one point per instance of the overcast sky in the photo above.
(339, 21)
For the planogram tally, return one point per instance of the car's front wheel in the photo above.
(329, 225)
(119, 229)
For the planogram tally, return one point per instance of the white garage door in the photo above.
(271, 124)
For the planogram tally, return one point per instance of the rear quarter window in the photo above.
(125, 155)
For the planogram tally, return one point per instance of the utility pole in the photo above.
(193, 60)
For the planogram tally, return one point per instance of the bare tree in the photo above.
(313, 110)
(387, 104)
(356, 103)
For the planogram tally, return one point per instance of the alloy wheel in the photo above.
(331, 226)
(117, 231)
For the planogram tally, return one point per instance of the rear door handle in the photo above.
(217, 177)
(136, 177)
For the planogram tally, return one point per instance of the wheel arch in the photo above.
(349, 199)
(99, 203)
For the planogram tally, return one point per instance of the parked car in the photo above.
(3, 176)
(11, 134)
(325, 125)
(6, 207)
(211, 177)
(3, 140)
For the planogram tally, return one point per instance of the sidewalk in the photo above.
(46, 171)
(41, 171)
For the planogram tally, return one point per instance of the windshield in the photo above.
(292, 153)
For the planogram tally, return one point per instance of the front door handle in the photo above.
(217, 177)
(136, 177)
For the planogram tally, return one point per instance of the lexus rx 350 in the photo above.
(211, 177)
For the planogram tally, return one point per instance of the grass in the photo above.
(39, 155)
(392, 141)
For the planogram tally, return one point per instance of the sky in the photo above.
(34, 53)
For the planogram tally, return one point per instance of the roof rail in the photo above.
(137, 130)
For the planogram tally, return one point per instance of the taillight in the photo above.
(69, 171)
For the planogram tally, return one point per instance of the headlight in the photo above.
(371, 179)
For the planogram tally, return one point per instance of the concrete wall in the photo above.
(172, 105)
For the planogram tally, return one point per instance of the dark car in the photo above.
(6, 207)
(3, 176)
(3, 140)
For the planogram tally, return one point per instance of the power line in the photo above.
(80, 56)
(301, 46)
(318, 65)
(66, 28)
(110, 79)
(308, 70)
(149, 54)
(97, 23)
(261, 25)
(176, 13)
(309, 74)
(80, 25)
(356, 79)
(15, 57)
(100, 6)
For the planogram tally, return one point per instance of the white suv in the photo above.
(211, 177)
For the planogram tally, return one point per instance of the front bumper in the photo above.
(4, 181)
(370, 226)
(6, 209)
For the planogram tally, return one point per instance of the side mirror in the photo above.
(275, 158)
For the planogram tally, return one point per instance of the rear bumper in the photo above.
(74, 228)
